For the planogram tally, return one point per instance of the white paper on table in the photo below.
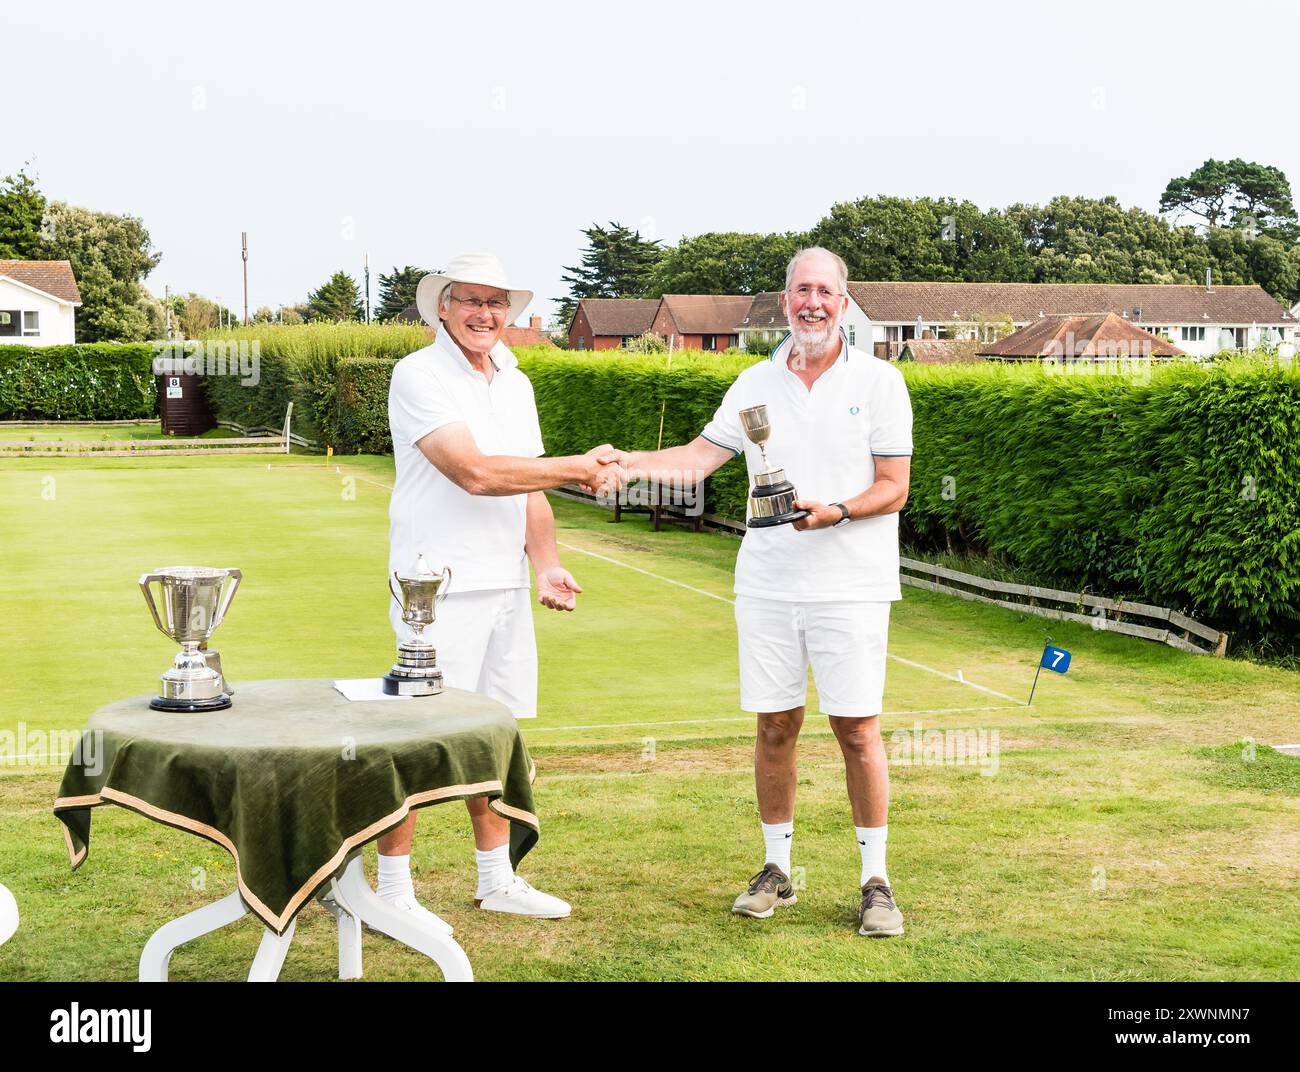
(366, 688)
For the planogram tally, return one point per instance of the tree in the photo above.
(1235, 193)
(110, 256)
(294, 314)
(22, 206)
(724, 263)
(397, 290)
(892, 238)
(617, 263)
(337, 299)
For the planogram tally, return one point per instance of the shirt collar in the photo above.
(500, 354)
(781, 352)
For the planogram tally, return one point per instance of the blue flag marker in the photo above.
(1053, 658)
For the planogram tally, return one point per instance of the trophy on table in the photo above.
(771, 499)
(194, 602)
(416, 671)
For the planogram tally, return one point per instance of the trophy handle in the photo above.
(146, 579)
(445, 587)
(229, 596)
(396, 598)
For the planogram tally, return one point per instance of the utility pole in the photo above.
(243, 236)
(367, 288)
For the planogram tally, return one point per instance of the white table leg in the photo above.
(355, 895)
(157, 953)
(349, 933)
(271, 953)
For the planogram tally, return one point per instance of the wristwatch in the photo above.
(845, 519)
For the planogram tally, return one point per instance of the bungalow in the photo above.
(608, 323)
(38, 301)
(1200, 320)
(1077, 338)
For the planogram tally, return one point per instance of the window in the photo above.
(1194, 334)
(708, 342)
(31, 323)
(582, 342)
(852, 336)
(627, 341)
(10, 319)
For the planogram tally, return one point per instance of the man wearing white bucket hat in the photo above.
(469, 495)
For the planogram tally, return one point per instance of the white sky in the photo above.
(412, 132)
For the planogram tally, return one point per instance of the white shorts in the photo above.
(844, 642)
(486, 644)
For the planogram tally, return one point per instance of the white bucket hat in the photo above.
(481, 268)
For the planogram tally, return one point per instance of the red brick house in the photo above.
(608, 323)
(702, 321)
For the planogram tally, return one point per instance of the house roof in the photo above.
(1159, 304)
(707, 314)
(941, 351)
(619, 316)
(765, 313)
(1100, 335)
(51, 277)
(517, 335)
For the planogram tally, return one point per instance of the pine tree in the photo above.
(337, 299)
(397, 290)
(617, 263)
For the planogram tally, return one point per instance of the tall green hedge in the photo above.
(1181, 487)
(88, 382)
(300, 363)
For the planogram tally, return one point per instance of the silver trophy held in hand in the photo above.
(416, 671)
(771, 499)
(194, 602)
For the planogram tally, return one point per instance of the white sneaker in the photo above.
(407, 903)
(521, 899)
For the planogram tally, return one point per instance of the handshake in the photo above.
(605, 470)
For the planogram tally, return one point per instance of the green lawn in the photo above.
(1123, 832)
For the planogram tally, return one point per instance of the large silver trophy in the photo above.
(416, 671)
(771, 499)
(194, 602)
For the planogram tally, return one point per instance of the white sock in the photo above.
(776, 839)
(494, 870)
(871, 840)
(395, 877)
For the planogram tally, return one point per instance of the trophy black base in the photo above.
(412, 686)
(217, 703)
(780, 519)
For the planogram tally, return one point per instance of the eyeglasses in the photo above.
(495, 305)
(806, 292)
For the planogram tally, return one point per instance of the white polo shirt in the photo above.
(481, 537)
(825, 440)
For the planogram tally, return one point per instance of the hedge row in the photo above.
(86, 382)
(1181, 489)
(300, 363)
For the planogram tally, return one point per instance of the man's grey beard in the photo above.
(812, 343)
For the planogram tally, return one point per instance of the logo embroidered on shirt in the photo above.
(855, 410)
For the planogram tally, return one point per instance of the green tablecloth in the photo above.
(294, 777)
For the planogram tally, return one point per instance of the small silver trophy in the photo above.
(416, 671)
(194, 602)
(771, 499)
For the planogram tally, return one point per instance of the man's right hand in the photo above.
(602, 472)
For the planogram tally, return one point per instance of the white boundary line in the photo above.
(750, 718)
(959, 679)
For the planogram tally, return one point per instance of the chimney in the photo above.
(1209, 289)
(535, 322)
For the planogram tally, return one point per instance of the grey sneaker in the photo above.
(879, 917)
(769, 888)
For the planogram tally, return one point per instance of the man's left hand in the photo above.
(557, 589)
(820, 516)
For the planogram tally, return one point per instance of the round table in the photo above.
(292, 781)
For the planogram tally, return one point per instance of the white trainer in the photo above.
(407, 903)
(521, 899)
